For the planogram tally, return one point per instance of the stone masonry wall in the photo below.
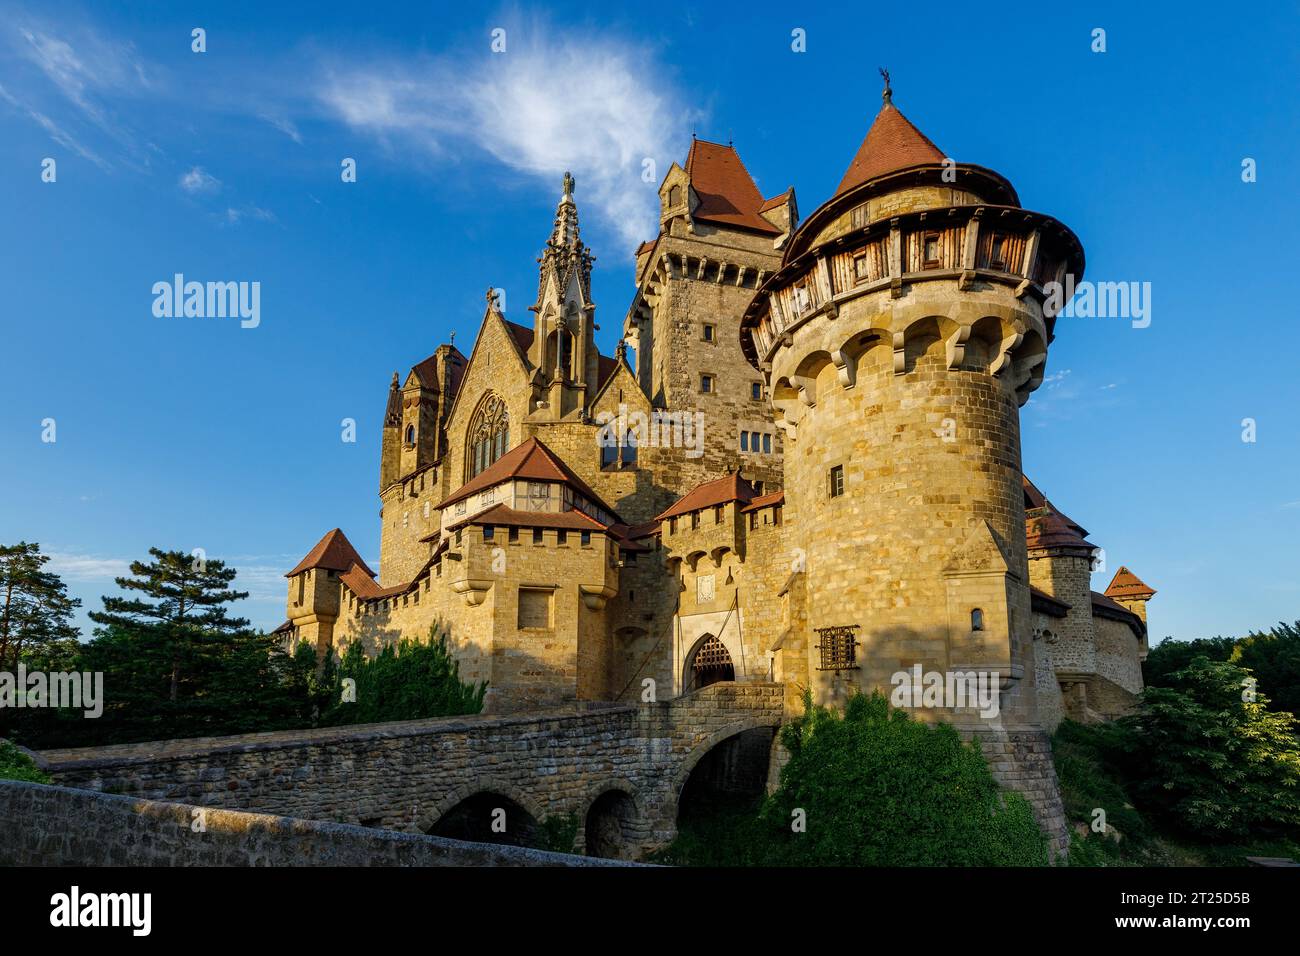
(59, 826)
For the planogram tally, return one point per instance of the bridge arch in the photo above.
(466, 810)
(615, 823)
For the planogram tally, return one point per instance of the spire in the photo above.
(565, 233)
(393, 413)
(565, 250)
(891, 144)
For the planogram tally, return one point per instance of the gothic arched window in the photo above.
(488, 437)
(410, 436)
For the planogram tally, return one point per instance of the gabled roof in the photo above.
(1126, 584)
(334, 552)
(891, 144)
(725, 189)
(719, 491)
(530, 460)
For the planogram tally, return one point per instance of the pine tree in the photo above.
(186, 620)
(35, 610)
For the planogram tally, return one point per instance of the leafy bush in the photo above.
(877, 788)
(1210, 763)
(16, 765)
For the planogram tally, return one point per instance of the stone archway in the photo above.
(612, 829)
(709, 662)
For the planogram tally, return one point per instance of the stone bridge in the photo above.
(618, 771)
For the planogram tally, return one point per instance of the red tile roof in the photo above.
(765, 501)
(505, 515)
(725, 189)
(1126, 584)
(1046, 526)
(776, 200)
(522, 334)
(891, 144)
(716, 492)
(334, 552)
(529, 460)
(1103, 606)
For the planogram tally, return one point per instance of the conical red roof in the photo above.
(891, 144)
(1126, 584)
(333, 552)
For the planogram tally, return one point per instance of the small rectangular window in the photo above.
(997, 253)
(489, 532)
(756, 391)
(861, 270)
(537, 536)
(695, 519)
(706, 384)
(837, 481)
(534, 608)
(561, 537)
(744, 441)
(930, 250)
(514, 535)
(717, 514)
(708, 332)
(586, 539)
(767, 444)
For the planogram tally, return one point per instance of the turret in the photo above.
(1127, 589)
(901, 334)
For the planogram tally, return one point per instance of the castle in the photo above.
(810, 473)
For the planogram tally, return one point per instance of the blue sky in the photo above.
(225, 165)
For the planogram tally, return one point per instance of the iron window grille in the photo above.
(839, 647)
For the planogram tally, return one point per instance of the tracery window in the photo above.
(488, 437)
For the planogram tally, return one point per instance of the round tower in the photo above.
(904, 330)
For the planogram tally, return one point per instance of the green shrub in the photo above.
(16, 765)
(875, 788)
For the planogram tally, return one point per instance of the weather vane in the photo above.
(889, 93)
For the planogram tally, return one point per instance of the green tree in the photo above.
(1212, 761)
(1273, 656)
(186, 615)
(35, 610)
(1170, 656)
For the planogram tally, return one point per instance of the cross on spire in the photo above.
(888, 94)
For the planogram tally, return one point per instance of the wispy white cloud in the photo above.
(199, 180)
(234, 217)
(85, 567)
(552, 102)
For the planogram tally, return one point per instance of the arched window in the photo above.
(410, 436)
(488, 437)
(976, 620)
(674, 196)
